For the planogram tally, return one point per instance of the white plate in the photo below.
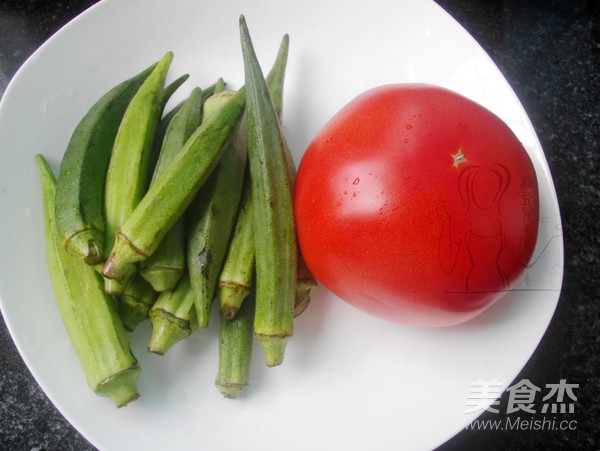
(349, 381)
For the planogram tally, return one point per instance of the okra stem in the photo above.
(173, 317)
(275, 232)
(88, 313)
(235, 351)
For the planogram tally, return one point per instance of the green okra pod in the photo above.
(236, 277)
(173, 317)
(161, 129)
(81, 179)
(211, 217)
(306, 283)
(174, 189)
(235, 351)
(166, 265)
(170, 89)
(274, 230)
(165, 120)
(235, 280)
(128, 171)
(173, 132)
(135, 302)
(88, 313)
(276, 76)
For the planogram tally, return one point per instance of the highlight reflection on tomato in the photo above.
(417, 205)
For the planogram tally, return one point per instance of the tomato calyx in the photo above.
(458, 158)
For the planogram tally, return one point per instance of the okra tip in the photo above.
(122, 256)
(231, 295)
(122, 387)
(86, 244)
(273, 347)
(167, 330)
(301, 305)
(228, 312)
(43, 165)
(244, 32)
(219, 85)
(285, 42)
(117, 285)
(230, 389)
(167, 57)
(304, 289)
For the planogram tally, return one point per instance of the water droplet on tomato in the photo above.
(406, 141)
(409, 126)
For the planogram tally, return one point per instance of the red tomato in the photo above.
(417, 205)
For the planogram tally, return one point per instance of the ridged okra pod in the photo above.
(235, 280)
(81, 179)
(135, 302)
(164, 122)
(305, 281)
(128, 171)
(161, 129)
(169, 90)
(166, 265)
(211, 217)
(235, 351)
(173, 317)
(175, 188)
(88, 313)
(275, 231)
(238, 270)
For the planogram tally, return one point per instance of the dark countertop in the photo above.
(550, 53)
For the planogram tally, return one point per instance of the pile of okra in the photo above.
(158, 214)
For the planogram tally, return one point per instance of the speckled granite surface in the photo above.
(550, 53)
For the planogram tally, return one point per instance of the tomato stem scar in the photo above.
(459, 158)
